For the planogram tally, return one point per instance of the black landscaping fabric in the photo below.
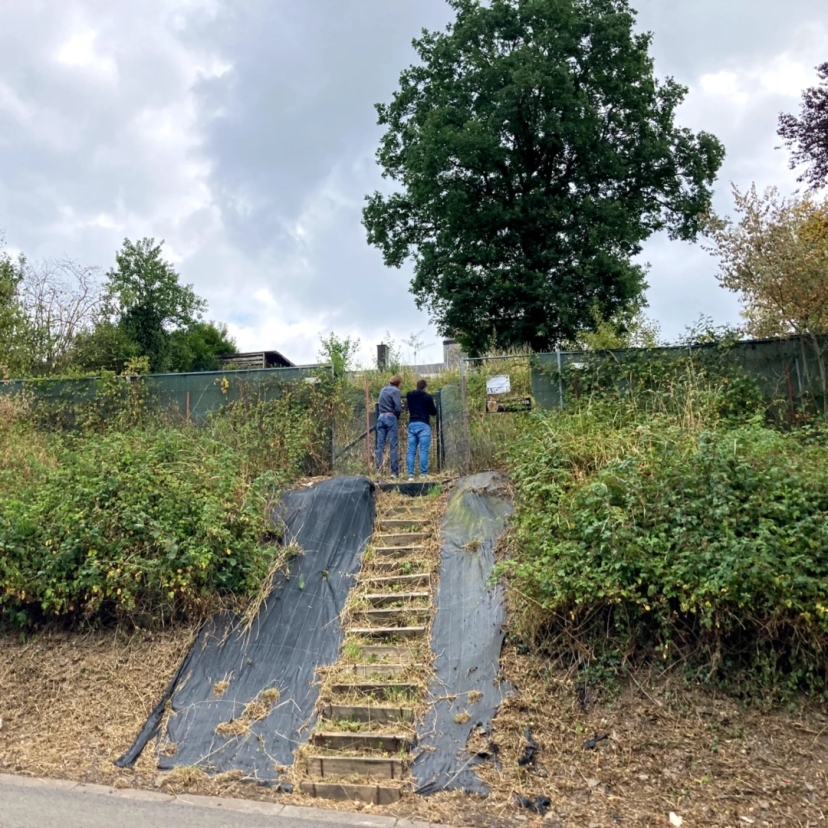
(467, 636)
(295, 633)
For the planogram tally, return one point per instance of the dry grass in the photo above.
(697, 753)
(281, 558)
(235, 727)
(660, 747)
(72, 703)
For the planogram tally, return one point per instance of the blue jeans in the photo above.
(418, 433)
(388, 430)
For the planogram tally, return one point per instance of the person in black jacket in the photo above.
(420, 411)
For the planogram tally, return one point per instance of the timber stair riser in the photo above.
(391, 671)
(367, 714)
(378, 768)
(404, 581)
(407, 539)
(378, 690)
(386, 742)
(397, 567)
(393, 526)
(383, 599)
(399, 551)
(361, 734)
(345, 792)
(388, 632)
(406, 617)
(387, 653)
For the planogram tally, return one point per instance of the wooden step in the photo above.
(414, 509)
(346, 792)
(383, 599)
(388, 632)
(366, 766)
(389, 524)
(402, 616)
(338, 740)
(367, 713)
(370, 670)
(403, 656)
(420, 579)
(377, 689)
(401, 539)
(398, 567)
(387, 552)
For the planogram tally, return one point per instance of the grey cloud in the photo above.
(244, 134)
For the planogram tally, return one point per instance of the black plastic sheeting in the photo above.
(295, 633)
(467, 636)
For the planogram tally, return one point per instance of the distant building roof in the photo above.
(256, 359)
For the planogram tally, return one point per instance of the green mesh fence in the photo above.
(193, 395)
(781, 367)
(451, 440)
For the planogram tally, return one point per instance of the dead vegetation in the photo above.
(70, 704)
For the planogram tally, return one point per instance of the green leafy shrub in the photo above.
(131, 514)
(636, 537)
(155, 522)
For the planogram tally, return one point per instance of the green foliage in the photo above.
(700, 384)
(339, 352)
(151, 521)
(14, 354)
(147, 301)
(134, 514)
(107, 347)
(627, 329)
(534, 151)
(198, 347)
(637, 536)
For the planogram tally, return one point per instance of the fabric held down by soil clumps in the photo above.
(294, 633)
(467, 636)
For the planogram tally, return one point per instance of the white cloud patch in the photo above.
(243, 134)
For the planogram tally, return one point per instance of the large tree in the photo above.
(15, 355)
(534, 151)
(775, 256)
(148, 302)
(807, 135)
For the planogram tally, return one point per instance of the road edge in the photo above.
(249, 806)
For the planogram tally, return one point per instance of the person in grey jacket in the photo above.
(388, 428)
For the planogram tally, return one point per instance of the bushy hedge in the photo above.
(636, 537)
(154, 522)
(138, 517)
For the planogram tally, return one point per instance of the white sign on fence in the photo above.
(498, 385)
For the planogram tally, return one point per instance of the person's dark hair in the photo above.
(421, 385)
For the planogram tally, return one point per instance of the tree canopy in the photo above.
(807, 135)
(533, 151)
(775, 256)
(148, 301)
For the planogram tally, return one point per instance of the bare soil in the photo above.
(70, 704)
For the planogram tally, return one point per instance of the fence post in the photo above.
(332, 409)
(466, 435)
(367, 426)
(560, 376)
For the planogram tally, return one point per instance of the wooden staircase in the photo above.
(370, 699)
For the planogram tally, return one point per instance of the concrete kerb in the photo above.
(240, 805)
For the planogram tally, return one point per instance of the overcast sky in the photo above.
(244, 135)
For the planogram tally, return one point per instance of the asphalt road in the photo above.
(32, 805)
